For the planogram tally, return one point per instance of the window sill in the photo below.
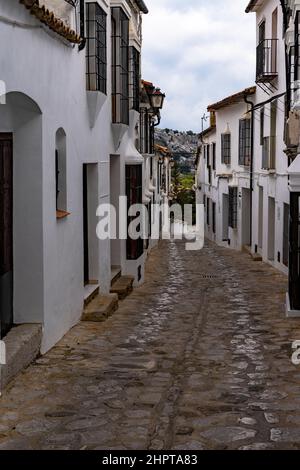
(62, 214)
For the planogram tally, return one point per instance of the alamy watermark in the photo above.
(2, 92)
(154, 222)
(296, 353)
(2, 353)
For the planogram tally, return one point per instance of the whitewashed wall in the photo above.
(46, 76)
(274, 185)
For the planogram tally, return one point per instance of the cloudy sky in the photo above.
(197, 51)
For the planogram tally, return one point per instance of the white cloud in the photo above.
(197, 51)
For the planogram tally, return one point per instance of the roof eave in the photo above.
(253, 5)
(142, 6)
(207, 131)
(232, 100)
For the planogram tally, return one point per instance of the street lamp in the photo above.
(157, 99)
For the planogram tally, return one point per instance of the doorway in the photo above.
(90, 240)
(271, 230)
(6, 234)
(260, 217)
(86, 273)
(286, 221)
(115, 182)
(225, 217)
(246, 214)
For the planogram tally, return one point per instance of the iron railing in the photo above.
(266, 61)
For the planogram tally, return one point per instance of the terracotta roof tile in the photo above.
(164, 150)
(48, 18)
(233, 99)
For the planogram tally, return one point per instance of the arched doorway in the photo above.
(21, 199)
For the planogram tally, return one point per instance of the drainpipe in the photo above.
(288, 85)
(82, 24)
(251, 164)
(158, 120)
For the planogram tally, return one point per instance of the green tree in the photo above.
(176, 180)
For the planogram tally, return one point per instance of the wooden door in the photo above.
(6, 234)
(85, 227)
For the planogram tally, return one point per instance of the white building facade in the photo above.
(223, 171)
(270, 190)
(246, 190)
(69, 133)
(292, 139)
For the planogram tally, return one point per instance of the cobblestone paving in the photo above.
(197, 358)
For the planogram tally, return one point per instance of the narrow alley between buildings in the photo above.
(199, 357)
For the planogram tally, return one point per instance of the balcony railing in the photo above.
(266, 61)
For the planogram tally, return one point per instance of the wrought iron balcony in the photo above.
(266, 61)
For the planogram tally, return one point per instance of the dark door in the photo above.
(286, 219)
(294, 251)
(262, 32)
(6, 234)
(85, 226)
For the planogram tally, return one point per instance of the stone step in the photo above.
(254, 256)
(92, 292)
(22, 344)
(99, 309)
(123, 286)
(115, 274)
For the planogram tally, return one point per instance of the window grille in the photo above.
(244, 142)
(207, 156)
(268, 154)
(120, 67)
(209, 175)
(214, 156)
(57, 178)
(96, 50)
(145, 133)
(233, 197)
(226, 148)
(135, 79)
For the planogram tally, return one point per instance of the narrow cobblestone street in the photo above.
(197, 358)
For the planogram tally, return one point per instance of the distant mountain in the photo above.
(183, 145)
